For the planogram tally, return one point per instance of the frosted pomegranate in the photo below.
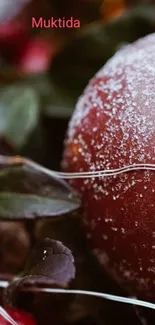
(113, 126)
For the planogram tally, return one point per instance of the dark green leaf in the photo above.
(26, 193)
(83, 56)
(19, 113)
(17, 206)
(59, 103)
(55, 100)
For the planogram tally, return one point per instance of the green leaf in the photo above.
(19, 113)
(59, 103)
(55, 100)
(88, 52)
(17, 206)
(27, 193)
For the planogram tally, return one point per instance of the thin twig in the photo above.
(17, 160)
(131, 301)
(7, 317)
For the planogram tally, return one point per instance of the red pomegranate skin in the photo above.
(20, 317)
(113, 126)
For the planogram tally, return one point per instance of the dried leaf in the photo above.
(51, 264)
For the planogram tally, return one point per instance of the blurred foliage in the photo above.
(18, 104)
(9, 9)
(43, 71)
(80, 59)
